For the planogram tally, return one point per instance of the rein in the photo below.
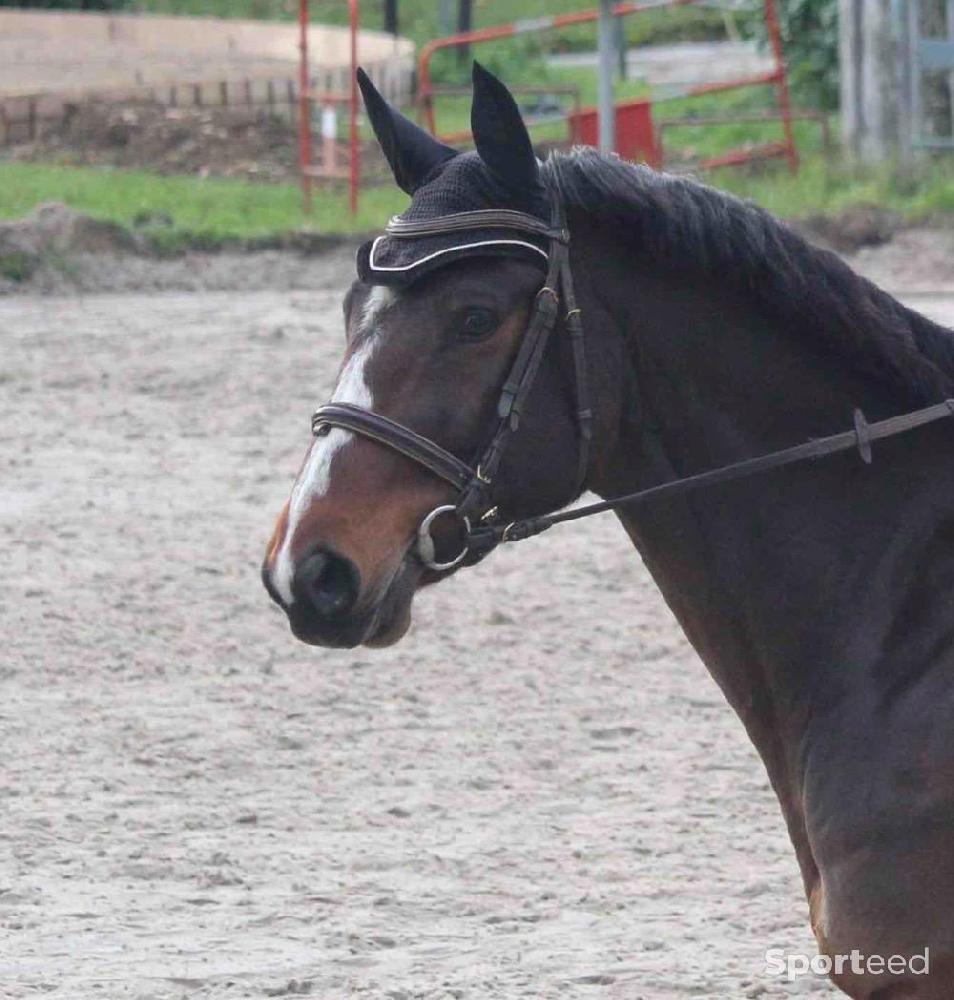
(474, 509)
(860, 438)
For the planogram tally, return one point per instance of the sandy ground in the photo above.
(539, 793)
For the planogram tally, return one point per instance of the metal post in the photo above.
(936, 101)
(607, 63)
(465, 23)
(391, 16)
(905, 61)
(849, 49)
(781, 83)
(621, 49)
(950, 76)
(355, 148)
(304, 107)
(879, 99)
(445, 13)
(916, 109)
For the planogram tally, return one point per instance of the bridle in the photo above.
(474, 509)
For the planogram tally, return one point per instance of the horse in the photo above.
(816, 594)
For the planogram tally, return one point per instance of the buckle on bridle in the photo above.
(426, 549)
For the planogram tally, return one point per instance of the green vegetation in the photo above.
(820, 187)
(190, 211)
(16, 266)
(209, 210)
(810, 36)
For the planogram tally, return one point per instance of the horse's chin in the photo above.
(393, 617)
(389, 631)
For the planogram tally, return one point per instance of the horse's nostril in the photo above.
(329, 583)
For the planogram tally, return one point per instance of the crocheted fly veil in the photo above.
(503, 173)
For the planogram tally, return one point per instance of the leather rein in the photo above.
(474, 509)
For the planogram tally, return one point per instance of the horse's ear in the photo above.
(499, 132)
(411, 152)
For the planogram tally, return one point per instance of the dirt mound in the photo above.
(56, 250)
(56, 228)
(850, 230)
(221, 142)
(52, 232)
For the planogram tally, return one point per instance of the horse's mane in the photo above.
(682, 225)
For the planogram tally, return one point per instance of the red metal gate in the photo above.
(307, 99)
(633, 118)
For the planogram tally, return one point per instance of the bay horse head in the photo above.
(435, 324)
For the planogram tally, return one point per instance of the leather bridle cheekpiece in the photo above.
(474, 508)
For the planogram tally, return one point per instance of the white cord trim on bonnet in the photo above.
(454, 249)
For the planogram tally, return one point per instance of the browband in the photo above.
(484, 218)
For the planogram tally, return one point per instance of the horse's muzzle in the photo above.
(325, 593)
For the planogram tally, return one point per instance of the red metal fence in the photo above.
(327, 168)
(776, 78)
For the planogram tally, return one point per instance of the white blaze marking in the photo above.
(375, 304)
(314, 479)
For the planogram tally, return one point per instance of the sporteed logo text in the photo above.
(792, 966)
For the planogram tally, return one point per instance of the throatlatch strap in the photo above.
(584, 415)
(523, 371)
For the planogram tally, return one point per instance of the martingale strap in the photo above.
(860, 438)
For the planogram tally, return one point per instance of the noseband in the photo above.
(474, 509)
(474, 483)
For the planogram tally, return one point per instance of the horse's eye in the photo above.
(478, 323)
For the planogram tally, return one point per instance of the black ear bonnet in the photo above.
(503, 173)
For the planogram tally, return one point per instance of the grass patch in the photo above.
(209, 212)
(208, 209)
(822, 187)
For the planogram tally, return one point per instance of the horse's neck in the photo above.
(778, 580)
